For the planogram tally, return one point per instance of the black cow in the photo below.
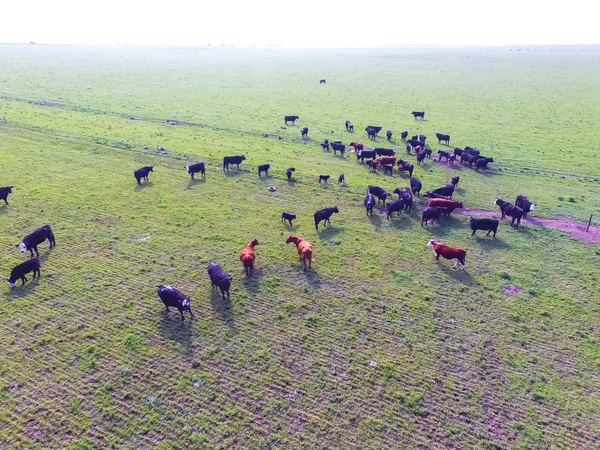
(447, 190)
(304, 132)
(483, 162)
(324, 215)
(362, 154)
(371, 133)
(384, 151)
(291, 119)
(405, 196)
(323, 81)
(288, 172)
(394, 206)
(4, 191)
(373, 165)
(388, 134)
(524, 203)
(378, 192)
(19, 272)
(443, 138)
(233, 160)
(421, 156)
(484, 224)
(349, 126)
(443, 154)
(415, 142)
(427, 152)
(415, 137)
(31, 241)
(433, 195)
(324, 178)
(325, 145)
(432, 213)
(341, 179)
(142, 173)
(415, 186)
(388, 168)
(472, 151)
(175, 298)
(469, 158)
(457, 151)
(508, 209)
(455, 180)
(219, 278)
(196, 168)
(369, 203)
(403, 165)
(338, 147)
(264, 168)
(404, 135)
(420, 114)
(287, 216)
(451, 159)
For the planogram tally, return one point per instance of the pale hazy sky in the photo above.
(309, 23)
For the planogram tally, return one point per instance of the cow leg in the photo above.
(23, 280)
(455, 263)
(181, 312)
(191, 314)
(167, 308)
(488, 233)
(473, 233)
(192, 174)
(5, 201)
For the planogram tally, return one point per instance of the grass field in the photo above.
(89, 359)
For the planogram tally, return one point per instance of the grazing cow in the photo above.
(403, 165)
(264, 168)
(472, 151)
(19, 272)
(415, 186)
(324, 215)
(304, 249)
(323, 82)
(4, 191)
(371, 133)
(432, 213)
(387, 169)
(422, 138)
(233, 160)
(404, 135)
(524, 203)
(421, 156)
(388, 134)
(304, 132)
(196, 168)
(482, 163)
(142, 173)
(447, 190)
(443, 138)
(342, 179)
(357, 147)
(338, 147)
(443, 154)
(394, 206)
(287, 216)
(324, 178)
(406, 196)
(511, 210)
(175, 298)
(247, 256)
(432, 195)
(484, 224)
(349, 125)
(455, 180)
(369, 203)
(378, 192)
(385, 160)
(469, 158)
(362, 154)
(289, 172)
(451, 159)
(291, 119)
(31, 241)
(458, 255)
(384, 151)
(219, 278)
(427, 152)
(450, 205)
(420, 114)
(325, 145)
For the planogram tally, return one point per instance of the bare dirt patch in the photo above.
(512, 289)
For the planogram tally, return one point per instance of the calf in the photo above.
(389, 134)
(524, 203)
(304, 249)
(507, 209)
(482, 163)
(404, 135)
(387, 169)
(362, 154)
(31, 241)
(247, 256)
(415, 186)
(4, 191)
(372, 165)
(142, 173)
(289, 172)
(19, 272)
(484, 224)
(378, 192)
(290, 119)
(455, 180)
(394, 206)
(324, 178)
(447, 190)
(458, 255)
(324, 215)
(304, 132)
(219, 278)
(227, 160)
(443, 138)
(369, 203)
(325, 145)
(287, 216)
(341, 180)
(443, 154)
(403, 165)
(196, 168)
(175, 298)
(432, 214)
(450, 205)
(264, 168)
(348, 125)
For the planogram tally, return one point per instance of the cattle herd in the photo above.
(439, 203)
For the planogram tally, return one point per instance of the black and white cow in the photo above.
(196, 168)
(219, 278)
(4, 191)
(291, 119)
(524, 203)
(31, 241)
(264, 168)
(304, 132)
(362, 154)
(420, 114)
(369, 203)
(227, 160)
(19, 272)
(142, 173)
(175, 298)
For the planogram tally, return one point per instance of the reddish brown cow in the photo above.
(247, 256)
(357, 146)
(304, 249)
(458, 255)
(451, 205)
(385, 160)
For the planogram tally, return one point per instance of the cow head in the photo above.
(290, 239)
(254, 242)
(335, 209)
(532, 207)
(431, 243)
(187, 168)
(22, 247)
(498, 202)
(185, 305)
(243, 158)
(11, 283)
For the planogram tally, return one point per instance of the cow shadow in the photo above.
(400, 222)
(329, 232)
(139, 187)
(490, 243)
(313, 278)
(252, 283)
(234, 172)
(172, 328)
(375, 220)
(222, 309)
(487, 172)
(392, 141)
(195, 181)
(458, 274)
(21, 291)
(3, 209)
